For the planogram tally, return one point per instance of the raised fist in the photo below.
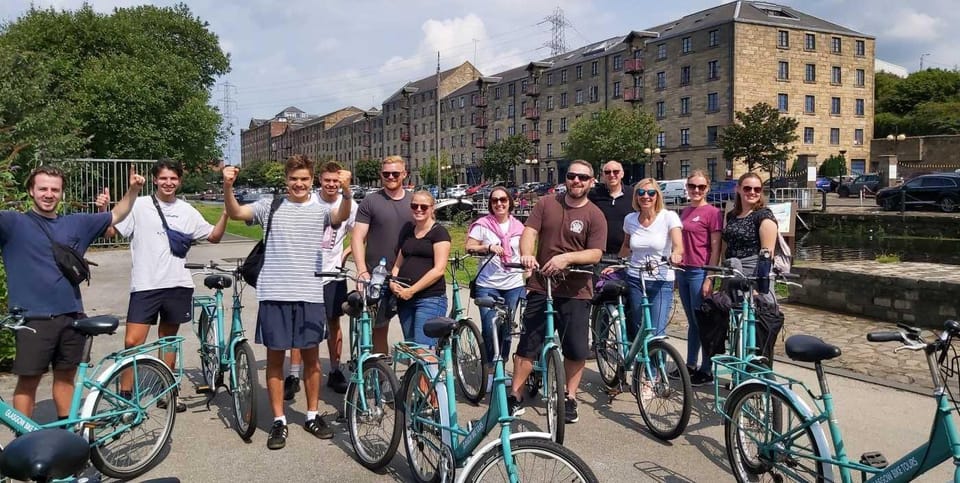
(345, 177)
(230, 174)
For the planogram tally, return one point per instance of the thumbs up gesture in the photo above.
(103, 200)
(136, 181)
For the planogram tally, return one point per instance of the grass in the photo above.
(888, 258)
(211, 213)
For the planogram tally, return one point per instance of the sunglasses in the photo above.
(753, 189)
(649, 193)
(420, 206)
(501, 199)
(583, 177)
(701, 187)
(391, 174)
(611, 172)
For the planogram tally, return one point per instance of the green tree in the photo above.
(930, 85)
(429, 171)
(833, 166)
(367, 171)
(761, 137)
(502, 156)
(620, 134)
(131, 84)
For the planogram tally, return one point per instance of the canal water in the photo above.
(833, 247)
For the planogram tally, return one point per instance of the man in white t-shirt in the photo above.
(334, 291)
(160, 286)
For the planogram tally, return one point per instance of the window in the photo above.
(661, 80)
(563, 76)
(549, 103)
(549, 78)
(810, 42)
(497, 115)
(783, 39)
(713, 70)
(711, 135)
(496, 134)
(661, 139)
(685, 137)
(685, 45)
(713, 102)
(859, 107)
(712, 167)
(461, 120)
(594, 68)
(858, 137)
(809, 104)
(563, 124)
(511, 131)
(808, 135)
(783, 102)
(661, 51)
(835, 75)
(511, 110)
(563, 100)
(496, 93)
(616, 90)
(684, 106)
(685, 75)
(549, 126)
(783, 71)
(834, 135)
(549, 150)
(861, 78)
(594, 93)
(617, 62)
(684, 168)
(661, 110)
(462, 99)
(836, 45)
(835, 106)
(713, 38)
(810, 73)
(579, 96)
(861, 48)
(511, 89)
(579, 72)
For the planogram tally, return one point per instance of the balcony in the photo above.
(632, 66)
(533, 136)
(480, 143)
(532, 90)
(405, 136)
(633, 94)
(480, 121)
(479, 101)
(531, 113)
(366, 128)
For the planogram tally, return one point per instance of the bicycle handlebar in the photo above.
(570, 268)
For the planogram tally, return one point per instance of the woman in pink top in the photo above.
(702, 226)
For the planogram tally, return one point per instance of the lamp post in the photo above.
(650, 153)
(896, 142)
(533, 162)
(661, 165)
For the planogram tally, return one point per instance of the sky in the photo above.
(322, 55)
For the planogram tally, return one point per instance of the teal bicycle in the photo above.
(226, 351)
(772, 434)
(127, 429)
(437, 446)
(468, 348)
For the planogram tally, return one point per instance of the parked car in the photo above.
(941, 190)
(674, 191)
(869, 183)
(826, 184)
(721, 192)
(432, 188)
(473, 189)
(456, 191)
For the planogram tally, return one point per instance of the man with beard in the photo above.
(563, 230)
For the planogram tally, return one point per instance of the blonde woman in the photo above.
(422, 258)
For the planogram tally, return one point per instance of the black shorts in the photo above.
(291, 325)
(54, 342)
(571, 321)
(334, 295)
(172, 305)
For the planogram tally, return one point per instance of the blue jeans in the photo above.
(511, 297)
(414, 313)
(660, 294)
(691, 296)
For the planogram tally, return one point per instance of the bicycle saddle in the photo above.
(45, 455)
(439, 327)
(101, 324)
(487, 301)
(807, 348)
(354, 304)
(217, 281)
(610, 291)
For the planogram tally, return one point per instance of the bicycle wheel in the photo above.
(468, 357)
(766, 439)
(535, 460)
(245, 391)
(209, 352)
(421, 419)
(126, 440)
(375, 433)
(554, 388)
(665, 400)
(606, 338)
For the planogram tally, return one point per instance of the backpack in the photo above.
(782, 256)
(250, 270)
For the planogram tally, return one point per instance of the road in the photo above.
(611, 437)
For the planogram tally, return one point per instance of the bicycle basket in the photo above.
(950, 372)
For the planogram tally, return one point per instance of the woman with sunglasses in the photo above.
(750, 226)
(702, 224)
(498, 234)
(655, 232)
(424, 248)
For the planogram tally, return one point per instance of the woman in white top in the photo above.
(651, 232)
(498, 234)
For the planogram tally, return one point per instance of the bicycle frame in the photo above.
(213, 307)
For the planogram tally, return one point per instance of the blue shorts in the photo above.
(291, 325)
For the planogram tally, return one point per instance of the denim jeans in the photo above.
(691, 296)
(511, 297)
(415, 312)
(660, 294)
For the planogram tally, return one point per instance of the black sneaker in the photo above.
(278, 436)
(318, 427)
(514, 406)
(180, 407)
(675, 373)
(291, 386)
(337, 382)
(571, 415)
(701, 379)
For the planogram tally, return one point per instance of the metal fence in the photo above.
(807, 199)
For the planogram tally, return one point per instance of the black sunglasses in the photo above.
(391, 174)
(701, 187)
(755, 189)
(650, 193)
(420, 206)
(500, 199)
(583, 177)
(609, 172)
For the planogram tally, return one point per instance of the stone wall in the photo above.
(916, 224)
(921, 294)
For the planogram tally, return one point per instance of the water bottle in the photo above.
(378, 277)
(764, 264)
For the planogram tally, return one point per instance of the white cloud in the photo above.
(913, 26)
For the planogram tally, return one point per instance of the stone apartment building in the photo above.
(691, 74)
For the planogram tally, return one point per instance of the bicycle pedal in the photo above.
(204, 389)
(874, 459)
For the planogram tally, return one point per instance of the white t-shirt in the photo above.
(333, 239)
(154, 267)
(651, 241)
(493, 275)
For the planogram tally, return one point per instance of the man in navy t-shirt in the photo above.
(36, 284)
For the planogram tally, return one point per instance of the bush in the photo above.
(833, 166)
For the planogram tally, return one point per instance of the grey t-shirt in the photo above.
(386, 216)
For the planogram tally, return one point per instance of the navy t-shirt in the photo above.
(34, 281)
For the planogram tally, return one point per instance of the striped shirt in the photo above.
(294, 251)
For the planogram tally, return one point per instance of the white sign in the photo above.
(785, 214)
(811, 173)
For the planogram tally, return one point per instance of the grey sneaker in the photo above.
(278, 436)
(571, 415)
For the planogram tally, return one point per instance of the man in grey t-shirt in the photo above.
(381, 215)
